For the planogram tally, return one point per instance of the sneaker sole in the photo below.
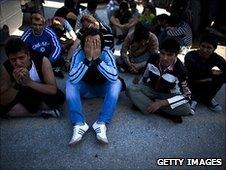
(74, 143)
(101, 141)
(215, 110)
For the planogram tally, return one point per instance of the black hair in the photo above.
(170, 45)
(140, 32)
(174, 20)
(62, 12)
(132, 4)
(151, 8)
(211, 39)
(15, 45)
(92, 32)
(92, 5)
(162, 17)
(124, 6)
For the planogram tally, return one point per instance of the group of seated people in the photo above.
(163, 84)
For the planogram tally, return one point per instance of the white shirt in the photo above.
(33, 73)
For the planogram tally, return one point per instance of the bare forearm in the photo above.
(115, 22)
(154, 106)
(164, 103)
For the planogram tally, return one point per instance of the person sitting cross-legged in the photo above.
(164, 87)
(27, 82)
(121, 21)
(137, 48)
(93, 73)
(206, 73)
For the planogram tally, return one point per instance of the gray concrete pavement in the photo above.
(136, 140)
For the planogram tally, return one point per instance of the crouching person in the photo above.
(164, 85)
(93, 73)
(206, 73)
(27, 82)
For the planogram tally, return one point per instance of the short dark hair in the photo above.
(151, 7)
(140, 33)
(92, 32)
(62, 12)
(163, 17)
(211, 39)
(15, 45)
(92, 5)
(124, 6)
(170, 45)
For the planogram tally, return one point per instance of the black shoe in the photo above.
(58, 73)
(214, 106)
(135, 108)
(50, 113)
(176, 119)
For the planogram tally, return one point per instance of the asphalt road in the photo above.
(136, 140)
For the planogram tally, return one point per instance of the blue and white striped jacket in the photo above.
(46, 44)
(105, 65)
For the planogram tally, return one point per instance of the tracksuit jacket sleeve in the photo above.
(107, 66)
(79, 66)
(55, 45)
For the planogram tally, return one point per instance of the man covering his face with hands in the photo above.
(93, 73)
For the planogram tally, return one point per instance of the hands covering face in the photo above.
(21, 75)
(92, 47)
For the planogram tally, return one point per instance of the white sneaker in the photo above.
(100, 129)
(193, 105)
(78, 132)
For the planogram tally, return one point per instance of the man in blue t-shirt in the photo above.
(42, 40)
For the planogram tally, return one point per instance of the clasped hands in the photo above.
(92, 47)
(21, 75)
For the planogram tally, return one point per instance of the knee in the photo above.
(185, 110)
(71, 89)
(114, 89)
(130, 91)
(116, 86)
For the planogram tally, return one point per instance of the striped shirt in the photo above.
(182, 32)
(95, 71)
(46, 44)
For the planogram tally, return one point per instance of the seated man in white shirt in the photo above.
(27, 82)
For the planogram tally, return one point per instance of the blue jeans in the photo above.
(110, 91)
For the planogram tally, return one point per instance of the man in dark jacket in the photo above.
(164, 85)
(206, 71)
